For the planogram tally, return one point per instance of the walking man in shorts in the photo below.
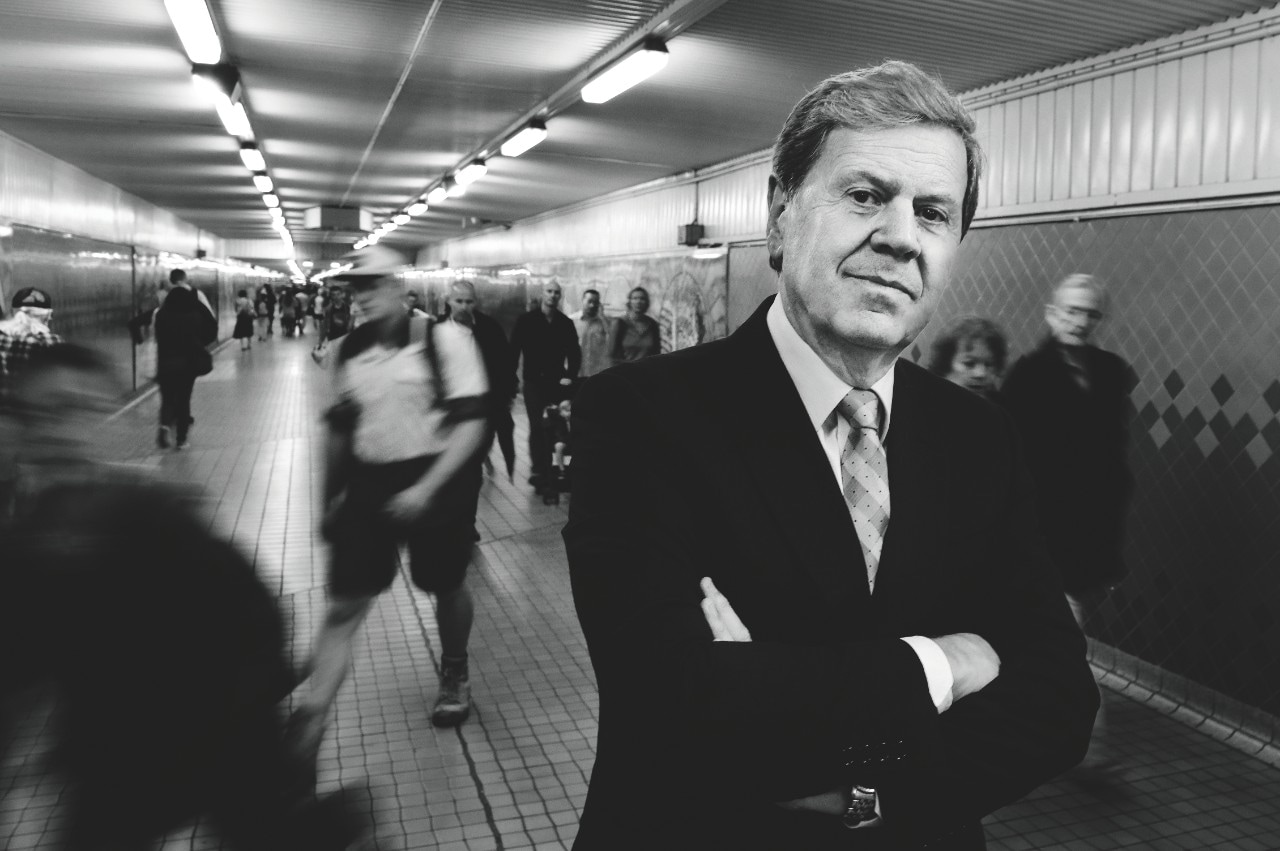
(407, 422)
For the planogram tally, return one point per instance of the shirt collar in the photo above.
(820, 389)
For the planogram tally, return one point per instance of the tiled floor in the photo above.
(515, 775)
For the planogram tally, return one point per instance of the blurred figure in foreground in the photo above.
(1070, 399)
(971, 352)
(166, 650)
(404, 435)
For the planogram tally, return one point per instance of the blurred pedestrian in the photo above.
(971, 352)
(262, 313)
(635, 335)
(1070, 400)
(496, 353)
(25, 332)
(166, 650)
(546, 342)
(593, 335)
(244, 321)
(403, 437)
(185, 326)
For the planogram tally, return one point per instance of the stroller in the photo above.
(555, 423)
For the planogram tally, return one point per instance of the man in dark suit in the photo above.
(1070, 400)
(816, 600)
(547, 343)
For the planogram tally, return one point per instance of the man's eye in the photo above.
(862, 196)
(933, 214)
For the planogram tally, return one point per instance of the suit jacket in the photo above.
(1076, 443)
(549, 346)
(704, 463)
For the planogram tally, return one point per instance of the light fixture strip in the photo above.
(263, 182)
(194, 24)
(252, 158)
(636, 67)
(532, 134)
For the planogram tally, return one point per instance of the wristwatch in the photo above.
(862, 806)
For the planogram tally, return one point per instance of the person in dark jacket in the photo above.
(185, 326)
(547, 341)
(1070, 400)
(496, 352)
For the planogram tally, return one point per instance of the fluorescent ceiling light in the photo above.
(437, 195)
(707, 253)
(471, 172)
(263, 182)
(276, 213)
(401, 219)
(373, 238)
(270, 200)
(531, 135)
(195, 29)
(234, 118)
(417, 208)
(252, 158)
(388, 227)
(638, 66)
(456, 189)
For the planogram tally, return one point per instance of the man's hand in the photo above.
(974, 664)
(409, 504)
(723, 620)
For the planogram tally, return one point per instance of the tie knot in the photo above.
(861, 408)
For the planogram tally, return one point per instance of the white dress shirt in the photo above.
(821, 390)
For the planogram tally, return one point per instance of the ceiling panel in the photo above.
(365, 104)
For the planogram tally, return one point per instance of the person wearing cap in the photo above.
(185, 325)
(25, 333)
(404, 431)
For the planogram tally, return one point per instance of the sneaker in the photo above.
(162, 437)
(454, 703)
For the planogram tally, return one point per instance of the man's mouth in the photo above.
(890, 283)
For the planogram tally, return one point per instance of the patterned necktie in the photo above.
(864, 474)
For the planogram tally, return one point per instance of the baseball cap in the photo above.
(372, 262)
(32, 297)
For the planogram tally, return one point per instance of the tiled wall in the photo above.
(1196, 310)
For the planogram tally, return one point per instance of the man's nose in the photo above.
(897, 230)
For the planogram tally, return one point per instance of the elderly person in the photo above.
(1070, 399)
(971, 352)
(794, 653)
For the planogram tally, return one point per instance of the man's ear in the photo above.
(773, 232)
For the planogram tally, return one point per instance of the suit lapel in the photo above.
(918, 457)
(777, 446)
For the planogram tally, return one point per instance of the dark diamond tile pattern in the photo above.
(1196, 311)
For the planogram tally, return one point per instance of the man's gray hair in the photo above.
(892, 94)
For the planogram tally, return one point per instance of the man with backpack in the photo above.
(403, 432)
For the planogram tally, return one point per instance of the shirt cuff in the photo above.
(937, 670)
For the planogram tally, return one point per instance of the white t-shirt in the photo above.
(399, 418)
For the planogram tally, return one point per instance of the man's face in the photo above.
(381, 300)
(1073, 315)
(551, 296)
(462, 305)
(974, 366)
(638, 301)
(868, 240)
(590, 305)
